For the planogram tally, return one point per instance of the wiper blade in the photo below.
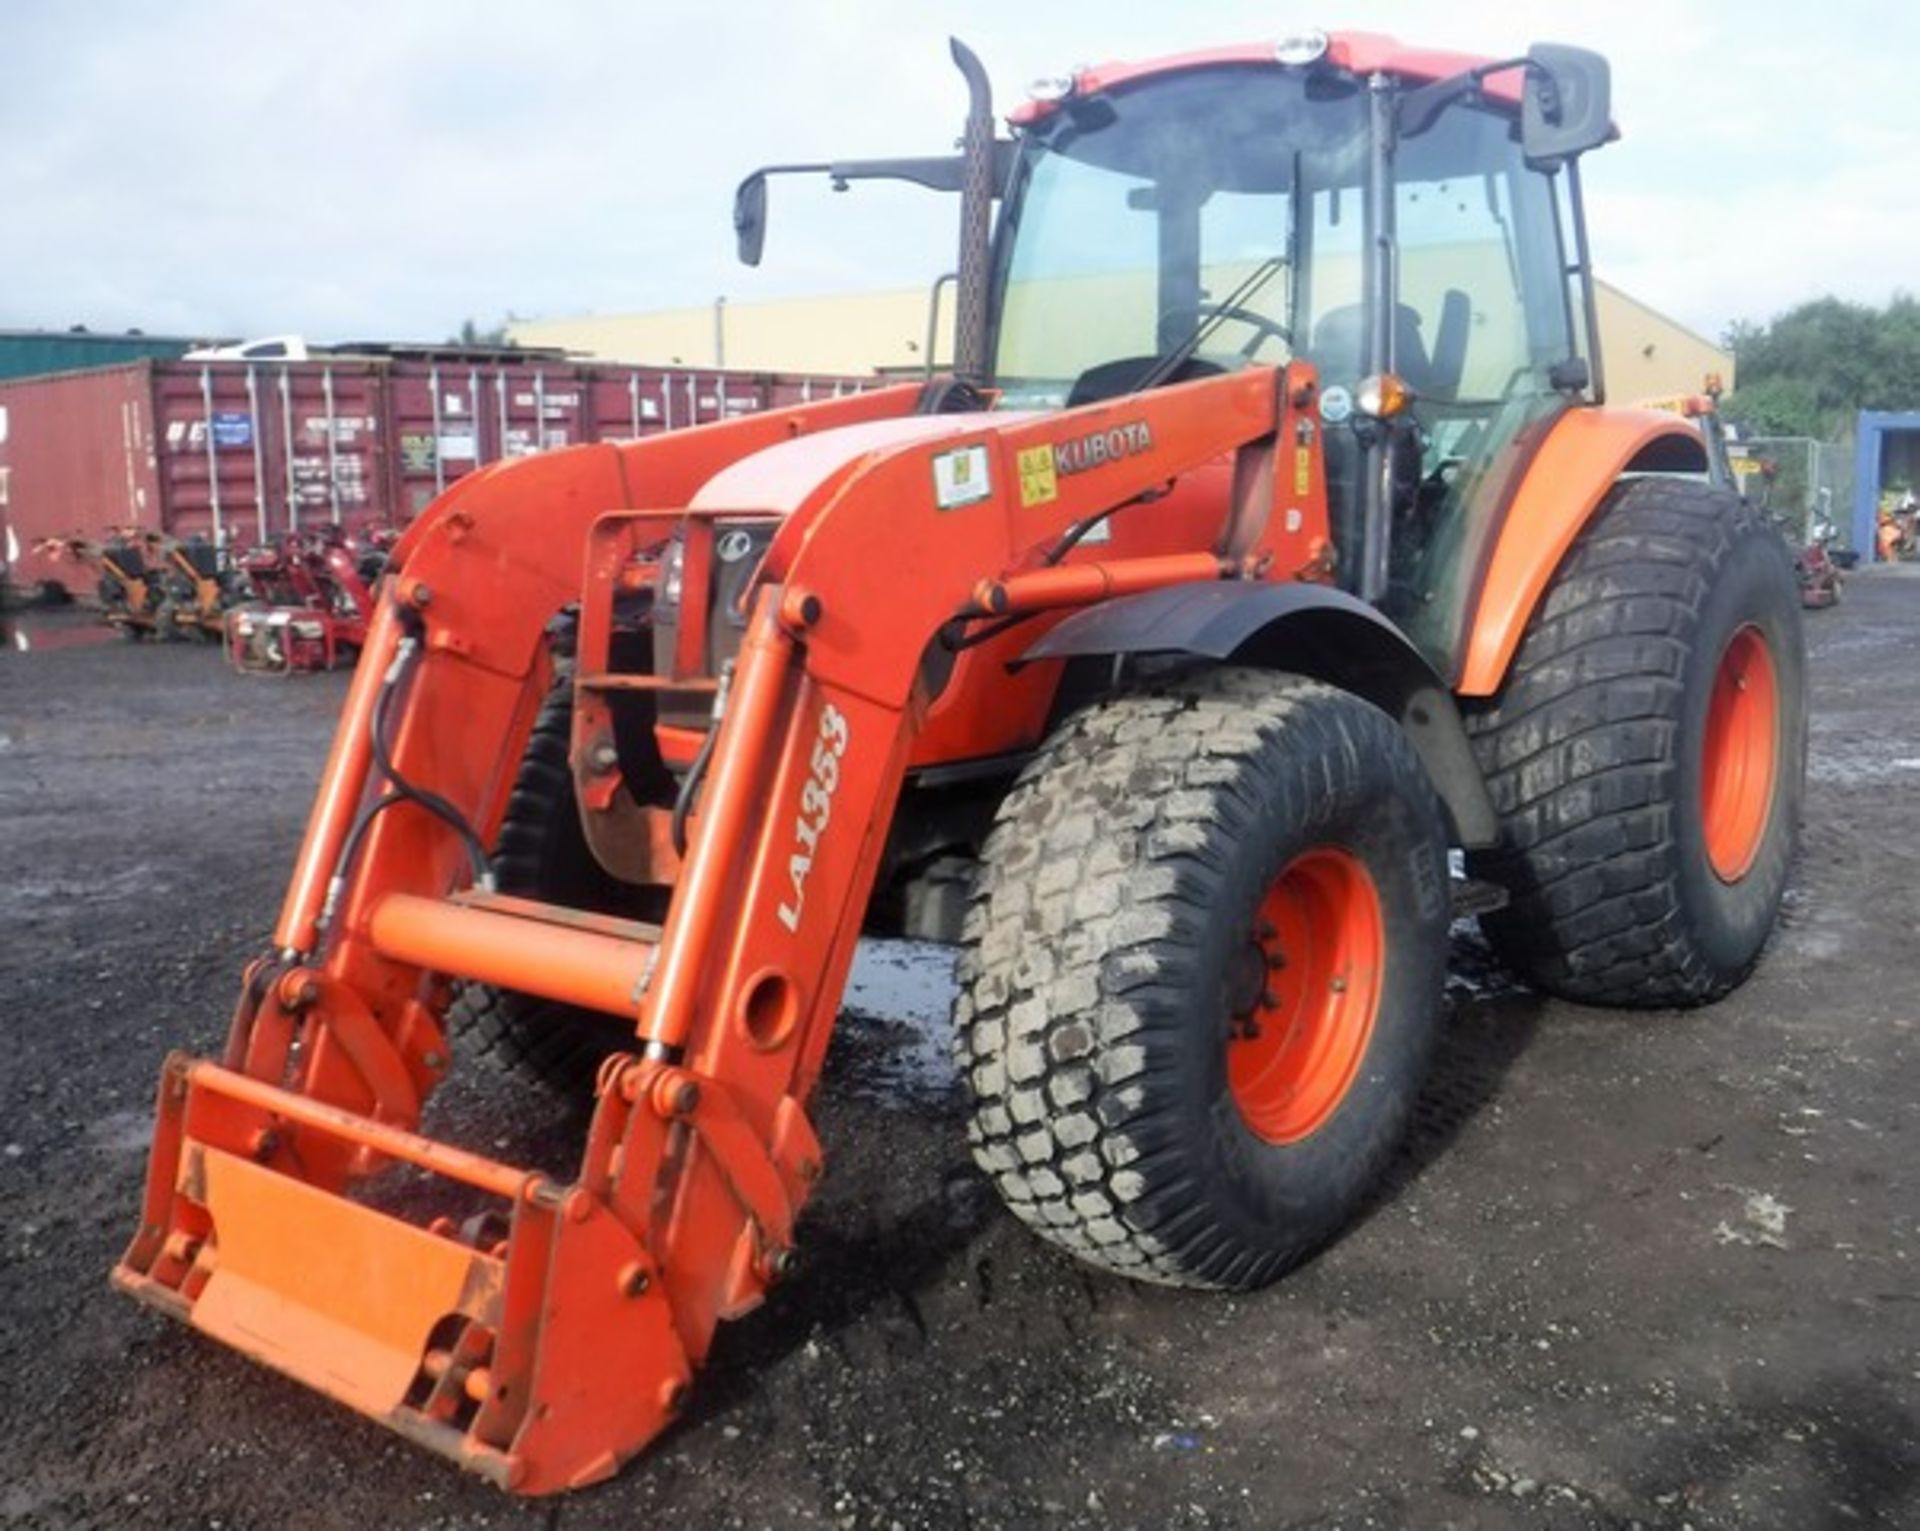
(1178, 357)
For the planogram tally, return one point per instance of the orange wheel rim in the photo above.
(1297, 1042)
(1741, 754)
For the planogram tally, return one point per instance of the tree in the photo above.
(1809, 371)
(472, 335)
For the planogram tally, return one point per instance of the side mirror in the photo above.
(1566, 104)
(750, 218)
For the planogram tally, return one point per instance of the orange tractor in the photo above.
(1270, 538)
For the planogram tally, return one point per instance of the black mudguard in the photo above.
(1307, 630)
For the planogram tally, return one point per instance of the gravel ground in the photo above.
(1652, 1270)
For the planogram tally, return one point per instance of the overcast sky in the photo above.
(363, 170)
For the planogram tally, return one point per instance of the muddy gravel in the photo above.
(1656, 1270)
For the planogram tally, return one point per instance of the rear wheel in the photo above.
(1647, 754)
(1202, 975)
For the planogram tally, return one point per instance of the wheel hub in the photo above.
(1740, 754)
(1316, 955)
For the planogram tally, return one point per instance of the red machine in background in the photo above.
(315, 597)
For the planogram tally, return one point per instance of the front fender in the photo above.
(1306, 629)
(1584, 453)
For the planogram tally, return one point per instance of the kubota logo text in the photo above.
(1106, 446)
(816, 807)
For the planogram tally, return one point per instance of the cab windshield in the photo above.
(1222, 211)
(1140, 214)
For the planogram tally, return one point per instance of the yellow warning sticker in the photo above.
(1302, 469)
(1039, 481)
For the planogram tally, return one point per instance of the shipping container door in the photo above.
(785, 389)
(536, 408)
(331, 459)
(77, 458)
(213, 450)
(438, 415)
(624, 403)
(709, 396)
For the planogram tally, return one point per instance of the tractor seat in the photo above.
(1339, 346)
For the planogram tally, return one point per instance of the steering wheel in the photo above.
(1264, 328)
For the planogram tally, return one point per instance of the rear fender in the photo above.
(1307, 629)
(1583, 455)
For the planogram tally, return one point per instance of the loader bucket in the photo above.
(540, 1358)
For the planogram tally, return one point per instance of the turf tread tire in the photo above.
(541, 853)
(1083, 1027)
(1586, 754)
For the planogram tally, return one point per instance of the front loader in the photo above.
(1270, 538)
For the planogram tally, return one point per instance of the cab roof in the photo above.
(1361, 53)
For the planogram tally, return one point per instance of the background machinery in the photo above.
(312, 599)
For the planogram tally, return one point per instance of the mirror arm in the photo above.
(1419, 108)
(936, 172)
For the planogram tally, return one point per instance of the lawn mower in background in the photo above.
(313, 599)
(196, 585)
(126, 582)
(1817, 568)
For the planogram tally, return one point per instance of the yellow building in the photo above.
(1646, 354)
(1649, 356)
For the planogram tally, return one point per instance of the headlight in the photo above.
(308, 630)
(671, 577)
(1301, 47)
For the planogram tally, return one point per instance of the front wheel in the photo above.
(543, 854)
(1647, 754)
(1202, 975)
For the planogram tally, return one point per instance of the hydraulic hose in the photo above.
(697, 772)
(401, 791)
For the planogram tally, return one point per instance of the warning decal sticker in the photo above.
(960, 477)
(1039, 483)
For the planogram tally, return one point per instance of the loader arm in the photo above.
(546, 1357)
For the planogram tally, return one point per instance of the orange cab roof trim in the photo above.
(1358, 52)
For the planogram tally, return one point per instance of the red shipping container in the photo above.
(241, 452)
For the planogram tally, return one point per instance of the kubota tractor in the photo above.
(1270, 538)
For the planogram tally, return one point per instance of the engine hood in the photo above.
(781, 479)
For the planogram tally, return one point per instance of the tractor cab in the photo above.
(1407, 221)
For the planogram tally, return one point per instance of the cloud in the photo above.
(359, 169)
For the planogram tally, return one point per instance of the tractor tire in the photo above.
(1202, 975)
(1647, 754)
(542, 853)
